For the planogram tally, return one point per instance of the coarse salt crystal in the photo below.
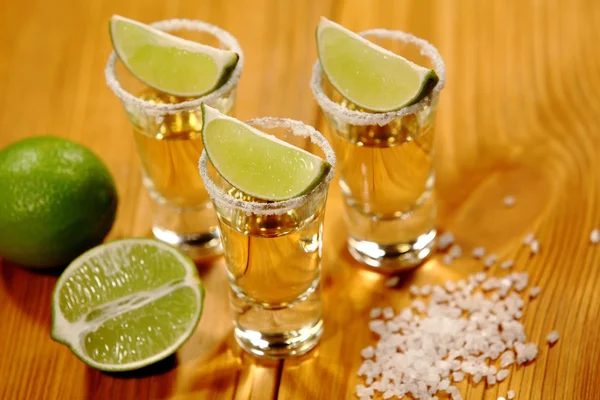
(393, 281)
(447, 259)
(507, 264)
(501, 375)
(491, 379)
(490, 260)
(455, 251)
(509, 201)
(526, 352)
(534, 291)
(445, 240)
(511, 394)
(419, 306)
(368, 352)
(450, 286)
(535, 247)
(528, 239)
(458, 376)
(552, 337)
(595, 236)
(414, 290)
(426, 290)
(375, 313)
(478, 252)
(501, 398)
(507, 358)
(388, 313)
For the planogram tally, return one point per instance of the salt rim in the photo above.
(365, 118)
(149, 108)
(277, 207)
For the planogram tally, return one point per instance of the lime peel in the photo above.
(257, 163)
(170, 63)
(368, 75)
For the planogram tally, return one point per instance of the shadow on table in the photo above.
(30, 290)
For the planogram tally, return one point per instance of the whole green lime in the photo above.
(57, 200)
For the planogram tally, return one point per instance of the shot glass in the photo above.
(167, 133)
(385, 164)
(273, 253)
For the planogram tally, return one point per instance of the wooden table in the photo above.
(520, 115)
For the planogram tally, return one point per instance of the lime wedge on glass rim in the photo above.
(257, 163)
(368, 75)
(127, 304)
(169, 63)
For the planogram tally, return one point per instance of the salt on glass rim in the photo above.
(225, 38)
(277, 207)
(366, 118)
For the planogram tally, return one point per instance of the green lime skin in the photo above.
(57, 200)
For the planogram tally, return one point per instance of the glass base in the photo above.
(195, 232)
(393, 257)
(279, 345)
(279, 332)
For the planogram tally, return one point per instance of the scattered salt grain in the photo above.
(501, 398)
(490, 260)
(375, 313)
(458, 376)
(491, 379)
(535, 247)
(450, 286)
(419, 306)
(414, 290)
(511, 394)
(595, 236)
(393, 281)
(447, 259)
(507, 264)
(534, 291)
(368, 352)
(426, 290)
(455, 251)
(526, 352)
(507, 358)
(552, 337)
(388, 313)
(445, 240)
(501, 375)
(478, 252)
(509, 201)
(528, 239)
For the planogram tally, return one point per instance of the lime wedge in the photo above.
(368, 75)
(256, 163)
(127, 304)
(169, 63)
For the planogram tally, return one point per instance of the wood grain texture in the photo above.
(520, 115)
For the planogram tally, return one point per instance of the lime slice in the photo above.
(127, 304)
(256, 163)
(367, 75)
(169, 63)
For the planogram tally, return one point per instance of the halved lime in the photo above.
(169, 63)
(127, 304)
(257, 163)
(368, 75)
